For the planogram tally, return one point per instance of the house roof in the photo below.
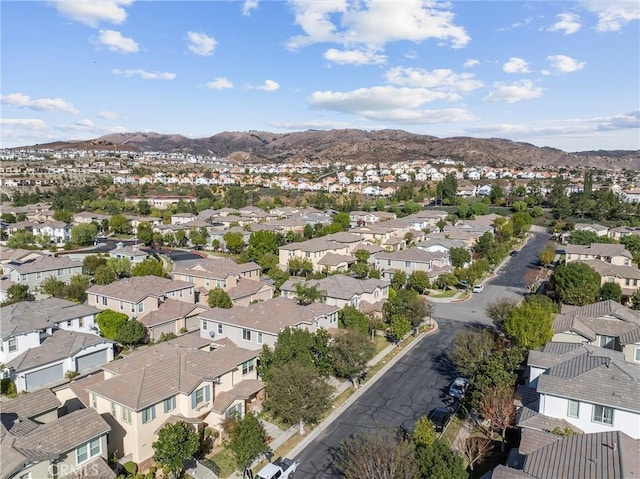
(170, 310)
(247, 287)
(243, 390)
(59, 345)
(611, 455)
(96, 468)
(27, 316)
(79, 386)
(314, 245)
(340, 286)
(270, 316)
(335, 259)
(411, 254)
(598, 249)
(32, 404)
(150, 375)
(137, 288)
(17, 254)
(594, 379)
(555, 353)
(213, 268)
(44, 263)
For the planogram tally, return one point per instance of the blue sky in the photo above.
(560, 74)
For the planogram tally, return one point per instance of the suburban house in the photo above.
(627, 277)
(610, 253)
(42, 340)
(5, 284)
(58, 231)
(340, 247)
(341, 290)
(605, 324)
(599, 230)
(591, 389)
(34, 272)
(36, 443)
(410, 260)
(17, 255)
(139, 295)
(172, 316)
(170, 382)
(624, 231)
(131, 252)
(260, 323)
(86, 217)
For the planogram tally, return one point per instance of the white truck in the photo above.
(281, 468)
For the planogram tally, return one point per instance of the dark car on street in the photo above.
(440, 417)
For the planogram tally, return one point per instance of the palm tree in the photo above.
(308, 294)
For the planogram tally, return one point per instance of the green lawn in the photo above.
(445, 294)
(224, 461)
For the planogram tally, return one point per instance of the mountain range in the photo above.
(357, 146)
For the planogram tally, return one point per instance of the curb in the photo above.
(334, 414)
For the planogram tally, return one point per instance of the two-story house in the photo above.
(36, 443)
(611, 253)
(341, 290)
(329, 253)
(169, 382)
(34, 272)
(410, 260)
(42, 340)
(627, 277)
(257, 324)
(58, 231)
(132, 252)
(139, 295)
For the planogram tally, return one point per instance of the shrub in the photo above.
(131, 467)
(71, 374)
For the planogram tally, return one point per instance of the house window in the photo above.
(573, 409)
(24, 277)
(81, 322)
(104, 300)
(260, 341)
(247, 366)
(608, 342)
(148, 414)
(190, 279)
(113, 409)
(603, 414)
(13, 344)
(219, 328)
(39, 275)
(637, 355)
(407, 264)
(246, 334)
(25, 476)
(388, 262)
(89, 450)
(204, 325)
(121, 305)
(207, 282)
(169, 404)
(126, 414)
(60, 272)
(94, 401)
(69, 323)
(133, 308)
(235, 410)
(200, 396)
(140, 307)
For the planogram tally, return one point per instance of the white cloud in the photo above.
(613, 15)
(145, 75)
(92, 13)
(353, 57)
(27, 123)
(516, 65)
(470, 63)
(567, 22)
(310, 125)
(108, 115)
(565, 64)
(20, 100)
(374, 23)
(514, 92)
(400, 105)
(85, 124)
(249, 5)
(201, 44)
(220, 83)
(268, 85)
(439, 79)
(115, 42)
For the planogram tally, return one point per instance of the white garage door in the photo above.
(91, 360)
(43, 376)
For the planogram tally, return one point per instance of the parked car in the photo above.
(478, 288)
(513, 253)
(440, 417)
(459, 388)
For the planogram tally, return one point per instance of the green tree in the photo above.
(350, 318)
(459, 257)
(351, 353)
(62, 215)
(119, 224)
(408, 304)
(576, 283)
(176, 443)
(143, 207)
(419, 281)
(497, 194)
(84, 234)
(104, 275)
(499, 311)
(362, 255)
(235, 197)
(399, 326)
(77, 287)
(131, 332)
(262, 243)
(53, 287)
(479, 208)
(440, 461)
(21, 239)
(308, 293)
(471, 349)
(297, 394)
(485, 245)
(447, 190)
(547, 255)
(234, 242)
(145, 233)
(148, 267)
(634, 301)
(16, 293)
(399, 280)
(110, 322)
(119, 266)
(424, 433)
(246, 440)
(8, 217)
(380, 454)
(219, 298)
(530, 325)
(198, 237)
(611, 291)
(91, 263)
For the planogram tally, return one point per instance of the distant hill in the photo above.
(357, 146)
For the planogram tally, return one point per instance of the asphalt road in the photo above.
(419, 381)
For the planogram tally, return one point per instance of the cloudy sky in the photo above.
(560, 74)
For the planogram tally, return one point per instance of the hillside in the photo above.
(357, 146)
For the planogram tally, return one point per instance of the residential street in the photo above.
(418, 382)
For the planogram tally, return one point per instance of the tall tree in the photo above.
(219, 298)
(530, 325)
(496, 406)
(131, 333)
(499, 311)
(350, 317)
(110, 322)
(246, 439)
(234, 242)
(611, 291)
(447, 190)
(440, 461)
(297, 394)
(351, 354)
(547, 255)
(148, 267)
(419, 281)
(576, 283)
(308, 293)
(176, 443)
(471, 349)
(459, 257)
(84, 234)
